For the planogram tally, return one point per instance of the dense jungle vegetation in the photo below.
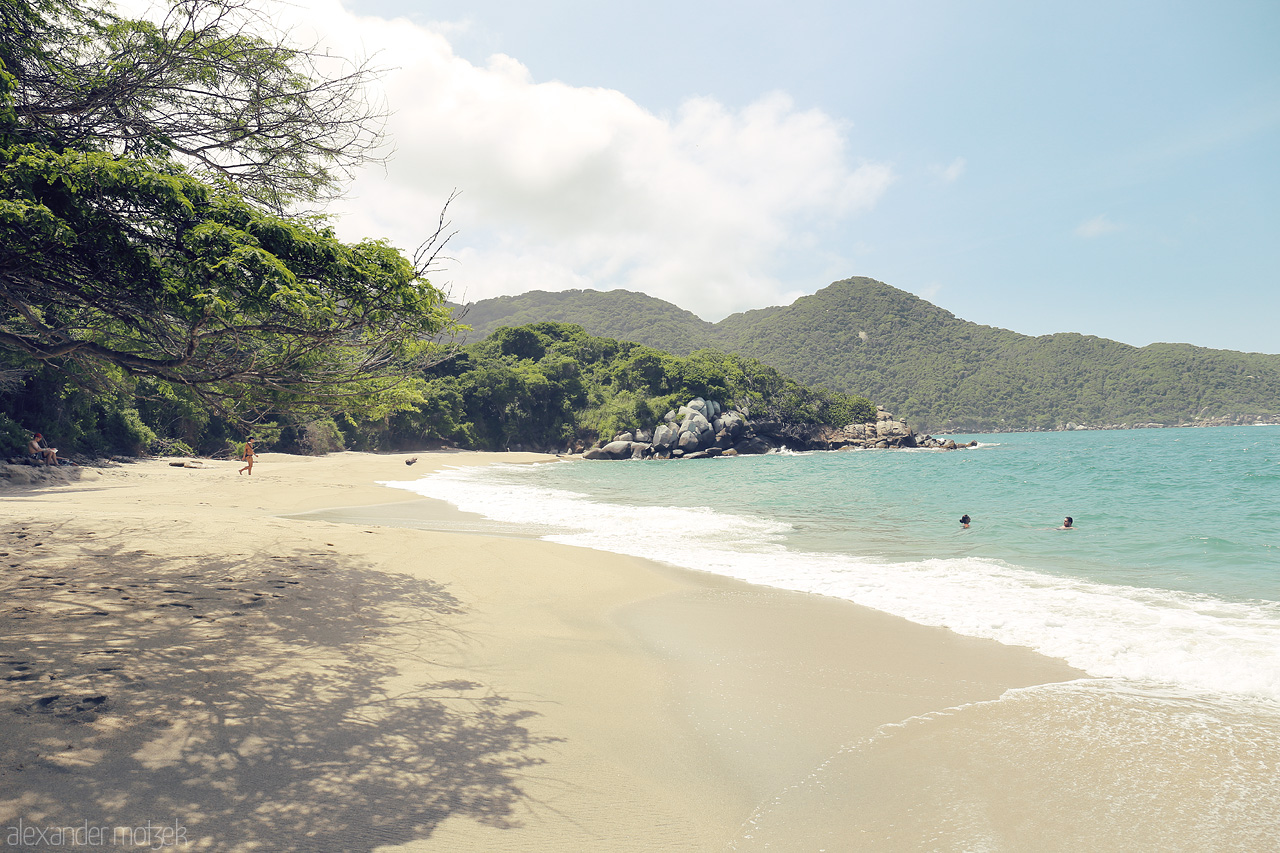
(551, 385)
(546, 386)
(160, 281)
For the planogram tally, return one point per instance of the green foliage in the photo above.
(551, 385)
(123, 428)
(171, 447)
(155, 294)
(13, 438)
(133, 264)
(620, 412)
(547, 386)
(618, 314)
(138, 162)
(210, 83)
(319, 436)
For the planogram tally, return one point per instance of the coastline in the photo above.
(270, 681)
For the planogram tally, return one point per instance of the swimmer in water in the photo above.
(964, 521)
(1067, 524)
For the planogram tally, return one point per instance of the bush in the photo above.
(318, 437)
(13, 438)
(123, 428)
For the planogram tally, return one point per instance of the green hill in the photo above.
(619, 314)
(927, 365)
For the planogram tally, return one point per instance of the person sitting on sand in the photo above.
(248, 457)
(964, 521)
(38, 450)
(1067, 524)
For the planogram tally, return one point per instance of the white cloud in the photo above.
(564, 186)
(952, 171)
(1098, 226)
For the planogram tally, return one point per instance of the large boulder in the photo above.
(695, 420)
(699, 427)
(688, 442)
(753, 445)
(665, 436)
(731, 423)
(612, 450)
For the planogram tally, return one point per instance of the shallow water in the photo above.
(1085, 765)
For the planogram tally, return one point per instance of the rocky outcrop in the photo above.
(885, 432)
(703, 429)
(700, 429)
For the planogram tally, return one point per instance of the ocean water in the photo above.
(1167, 594)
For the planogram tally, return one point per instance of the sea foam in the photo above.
(1199, 642)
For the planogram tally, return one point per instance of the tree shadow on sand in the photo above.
(260, 703)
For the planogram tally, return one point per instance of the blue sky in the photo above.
(1105, 168)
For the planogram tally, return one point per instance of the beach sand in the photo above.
(217, 659)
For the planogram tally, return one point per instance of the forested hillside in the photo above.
(619, 314)
(551, 386)
(939, 371)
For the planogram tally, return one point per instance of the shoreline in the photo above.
(532, 695)
(1263, 420)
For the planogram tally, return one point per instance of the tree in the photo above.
(113, 254)
(212, 85)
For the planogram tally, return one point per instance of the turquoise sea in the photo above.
(1167, 593)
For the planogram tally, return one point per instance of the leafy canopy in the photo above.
(144, 169)
(210, 85)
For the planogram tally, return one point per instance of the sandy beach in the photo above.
(199, 656)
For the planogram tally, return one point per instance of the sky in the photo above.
(1109, 168)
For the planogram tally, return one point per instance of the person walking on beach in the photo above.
(248, 456)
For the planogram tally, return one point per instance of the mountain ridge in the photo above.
(939, 371)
